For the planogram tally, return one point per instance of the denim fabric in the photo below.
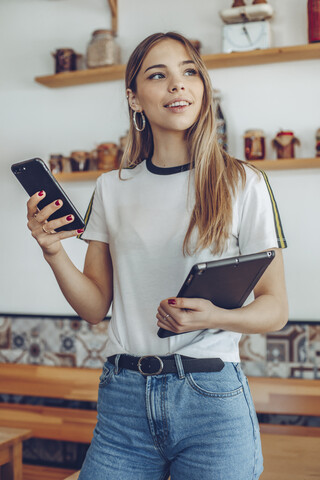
(199, 426)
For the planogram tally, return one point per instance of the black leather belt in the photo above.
(154, 365)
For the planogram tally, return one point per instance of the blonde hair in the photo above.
(216, 174)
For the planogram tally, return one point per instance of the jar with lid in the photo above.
(103, 49)
(284, 143)
(65, 60)
(318, 143)
(254, 144)
(314, 21)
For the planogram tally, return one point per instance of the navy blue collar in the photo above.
(166, 171)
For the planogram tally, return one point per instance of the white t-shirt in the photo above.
(144, 220)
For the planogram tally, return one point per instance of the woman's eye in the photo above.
(156, 76)
(191, 71)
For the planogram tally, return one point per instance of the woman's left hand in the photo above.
(180, 315)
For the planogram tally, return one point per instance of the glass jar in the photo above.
(102, 49)
(254, 144)
(314, 21)
(284, 143)
(66, 60)
(318, 143)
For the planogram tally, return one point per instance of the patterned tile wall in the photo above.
(52, 341)
(292, 352)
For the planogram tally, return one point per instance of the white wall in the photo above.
(38, 121)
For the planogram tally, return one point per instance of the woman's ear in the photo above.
(133, 100)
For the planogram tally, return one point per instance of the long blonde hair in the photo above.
(216, 174)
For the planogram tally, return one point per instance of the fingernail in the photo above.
(172, 301)
(69, 218)
(81, 230)
(41, 193)
(57, 203)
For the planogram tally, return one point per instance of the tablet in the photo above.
(227, 283)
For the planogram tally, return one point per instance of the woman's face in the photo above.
(169, 88)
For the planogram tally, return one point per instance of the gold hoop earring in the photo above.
(135, 121)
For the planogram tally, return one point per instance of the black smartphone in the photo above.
(34, 175)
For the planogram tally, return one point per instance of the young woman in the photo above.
(185, 410)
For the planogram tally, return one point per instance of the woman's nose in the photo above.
(176, 85)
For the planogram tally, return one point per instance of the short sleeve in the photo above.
(260, 225)
(95, 218)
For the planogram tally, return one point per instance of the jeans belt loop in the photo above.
(179, 365)
(116, 363)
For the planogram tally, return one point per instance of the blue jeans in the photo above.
(199, 426)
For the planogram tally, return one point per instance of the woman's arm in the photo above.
(268, 312)
(89, 293)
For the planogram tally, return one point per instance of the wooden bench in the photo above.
(54, 423)
(271, 396)
(286, 396)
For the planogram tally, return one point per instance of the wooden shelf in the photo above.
(221, 60)
(82, 77)
(259, 57)
(285, 164)
(80, 176)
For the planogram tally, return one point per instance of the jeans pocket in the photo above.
(107, 374)
(216, 384)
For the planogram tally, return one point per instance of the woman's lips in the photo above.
(178, 106)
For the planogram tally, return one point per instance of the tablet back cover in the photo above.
(227, 283)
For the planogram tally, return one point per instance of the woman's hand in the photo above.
(44, 231)
(267, 313)
(180, 315)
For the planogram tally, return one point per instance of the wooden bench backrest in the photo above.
(270, 395)
(289, 396)
(52, 382)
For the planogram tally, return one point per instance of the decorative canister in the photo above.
(318, 143)
(66, 60)
(314, 20)
(284, 143)
(66, 164)
(254, 144)
(102, 49)
(107, 156)
(55, 163)
(80, 161)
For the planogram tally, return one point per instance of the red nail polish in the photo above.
(69, 218)
(172, 301)
(81, 230)
(57, 203)
(41, 193)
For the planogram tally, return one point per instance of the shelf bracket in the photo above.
(113, 4)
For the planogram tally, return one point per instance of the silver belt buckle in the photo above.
(150, 356)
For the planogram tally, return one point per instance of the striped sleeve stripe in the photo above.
(282, 243)
(88, 213)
